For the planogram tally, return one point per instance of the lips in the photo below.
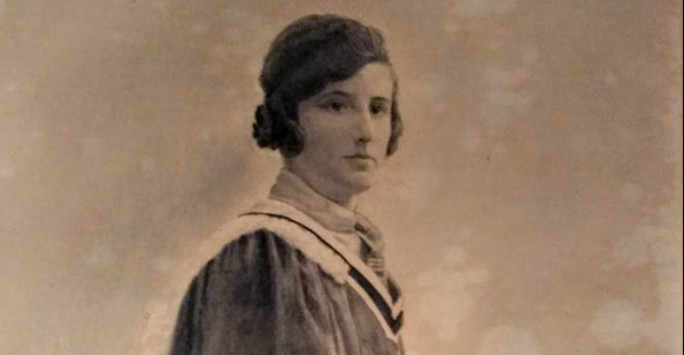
(361, 156)
(362, 161)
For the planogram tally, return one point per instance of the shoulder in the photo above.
(251, 240)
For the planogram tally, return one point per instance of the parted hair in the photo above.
(307, 55)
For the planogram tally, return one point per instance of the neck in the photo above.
(347, 201)
(340, 196)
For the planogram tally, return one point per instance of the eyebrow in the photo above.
(348, 95)
(334, 93)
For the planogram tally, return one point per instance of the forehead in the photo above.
(374, 79)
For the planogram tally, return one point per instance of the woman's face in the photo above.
(347, 127)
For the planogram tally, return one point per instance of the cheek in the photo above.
(383, 130)
(326, 138)
(316, 152)
(330, 146)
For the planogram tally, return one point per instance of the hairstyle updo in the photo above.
(306, 56)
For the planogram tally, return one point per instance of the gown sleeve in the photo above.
(259, 295)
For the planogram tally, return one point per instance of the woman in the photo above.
(301, 272)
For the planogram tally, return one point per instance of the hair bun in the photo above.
(262, 129)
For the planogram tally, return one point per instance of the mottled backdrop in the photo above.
(534, 206)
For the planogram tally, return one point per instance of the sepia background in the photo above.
(533, 207)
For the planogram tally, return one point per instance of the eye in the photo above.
(335, 105)
(379, 107)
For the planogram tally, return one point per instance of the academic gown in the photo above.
(285, 283)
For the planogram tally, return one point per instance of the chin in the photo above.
(359, 183)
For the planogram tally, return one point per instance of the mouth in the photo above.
(361, 157)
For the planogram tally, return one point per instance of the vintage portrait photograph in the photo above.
(391, 177)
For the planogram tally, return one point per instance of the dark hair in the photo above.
(307, 55)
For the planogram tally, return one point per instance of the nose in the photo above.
(364, 128)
